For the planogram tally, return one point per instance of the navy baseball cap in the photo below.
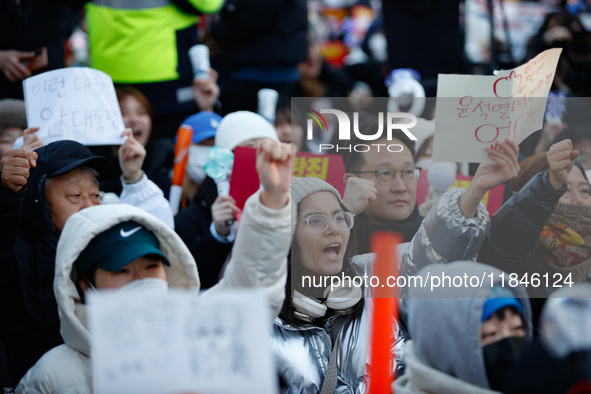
(64, 156)
(118, 246)
(204, 124)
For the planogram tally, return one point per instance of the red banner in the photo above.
(329, 168)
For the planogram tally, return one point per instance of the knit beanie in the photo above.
(241, 126)
(303, 187)
(12, 114)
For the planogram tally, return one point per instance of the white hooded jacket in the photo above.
(256, 262)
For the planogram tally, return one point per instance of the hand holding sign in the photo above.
(131, 157)
(505, 154)
(561, 160)
(15, 167)
(274, 168)
(489, 176)
(31, 141)
(222, 213)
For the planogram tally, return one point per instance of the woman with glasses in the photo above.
(321, 337)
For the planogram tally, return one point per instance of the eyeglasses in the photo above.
(318, 223)
(387, 176)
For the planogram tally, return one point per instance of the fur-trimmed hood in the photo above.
(79, 230)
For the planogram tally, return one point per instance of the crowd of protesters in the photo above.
(63, 204)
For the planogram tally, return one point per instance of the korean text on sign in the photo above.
(474, 112)
(77, 104)
(311, 166)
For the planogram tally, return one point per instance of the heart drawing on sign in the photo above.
(508, 86)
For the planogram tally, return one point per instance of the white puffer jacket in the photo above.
(257, 262)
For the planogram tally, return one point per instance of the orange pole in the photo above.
(181, 154)
(383, 244)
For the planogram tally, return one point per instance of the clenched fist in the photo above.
(15, 167)
(359, 193)
(274, 168)
(561, 159)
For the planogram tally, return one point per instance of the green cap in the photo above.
(118, 246)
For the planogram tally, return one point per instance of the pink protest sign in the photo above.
(473, 111)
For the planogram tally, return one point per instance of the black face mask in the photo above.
(500, 358)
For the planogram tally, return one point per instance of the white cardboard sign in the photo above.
(176, 342)
(75, 103)
(474, 111)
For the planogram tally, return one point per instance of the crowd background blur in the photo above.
(336, 53)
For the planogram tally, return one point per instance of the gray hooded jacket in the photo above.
(445, 355)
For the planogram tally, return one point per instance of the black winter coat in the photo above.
(262, 33)
(364, 229)
(32, 25)
(29, 322)
(424, 35)
(511, 243)
(192, 225)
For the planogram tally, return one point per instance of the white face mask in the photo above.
(149, 284)
(197, 159)
(146, 284)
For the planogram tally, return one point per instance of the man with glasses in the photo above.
(382, 186)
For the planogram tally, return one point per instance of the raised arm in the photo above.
(454, 228)
(259, 257)
(138, 190)
(515, 228)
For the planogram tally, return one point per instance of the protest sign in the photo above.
(245, 179)
(329, 168)
(76, 104)
(173, 342)
(473, 112)
(493, 199)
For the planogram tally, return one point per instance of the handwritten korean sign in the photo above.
(77, 104)
(475, 111)
(153, 342)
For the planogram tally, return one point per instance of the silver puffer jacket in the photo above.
(302, 353)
